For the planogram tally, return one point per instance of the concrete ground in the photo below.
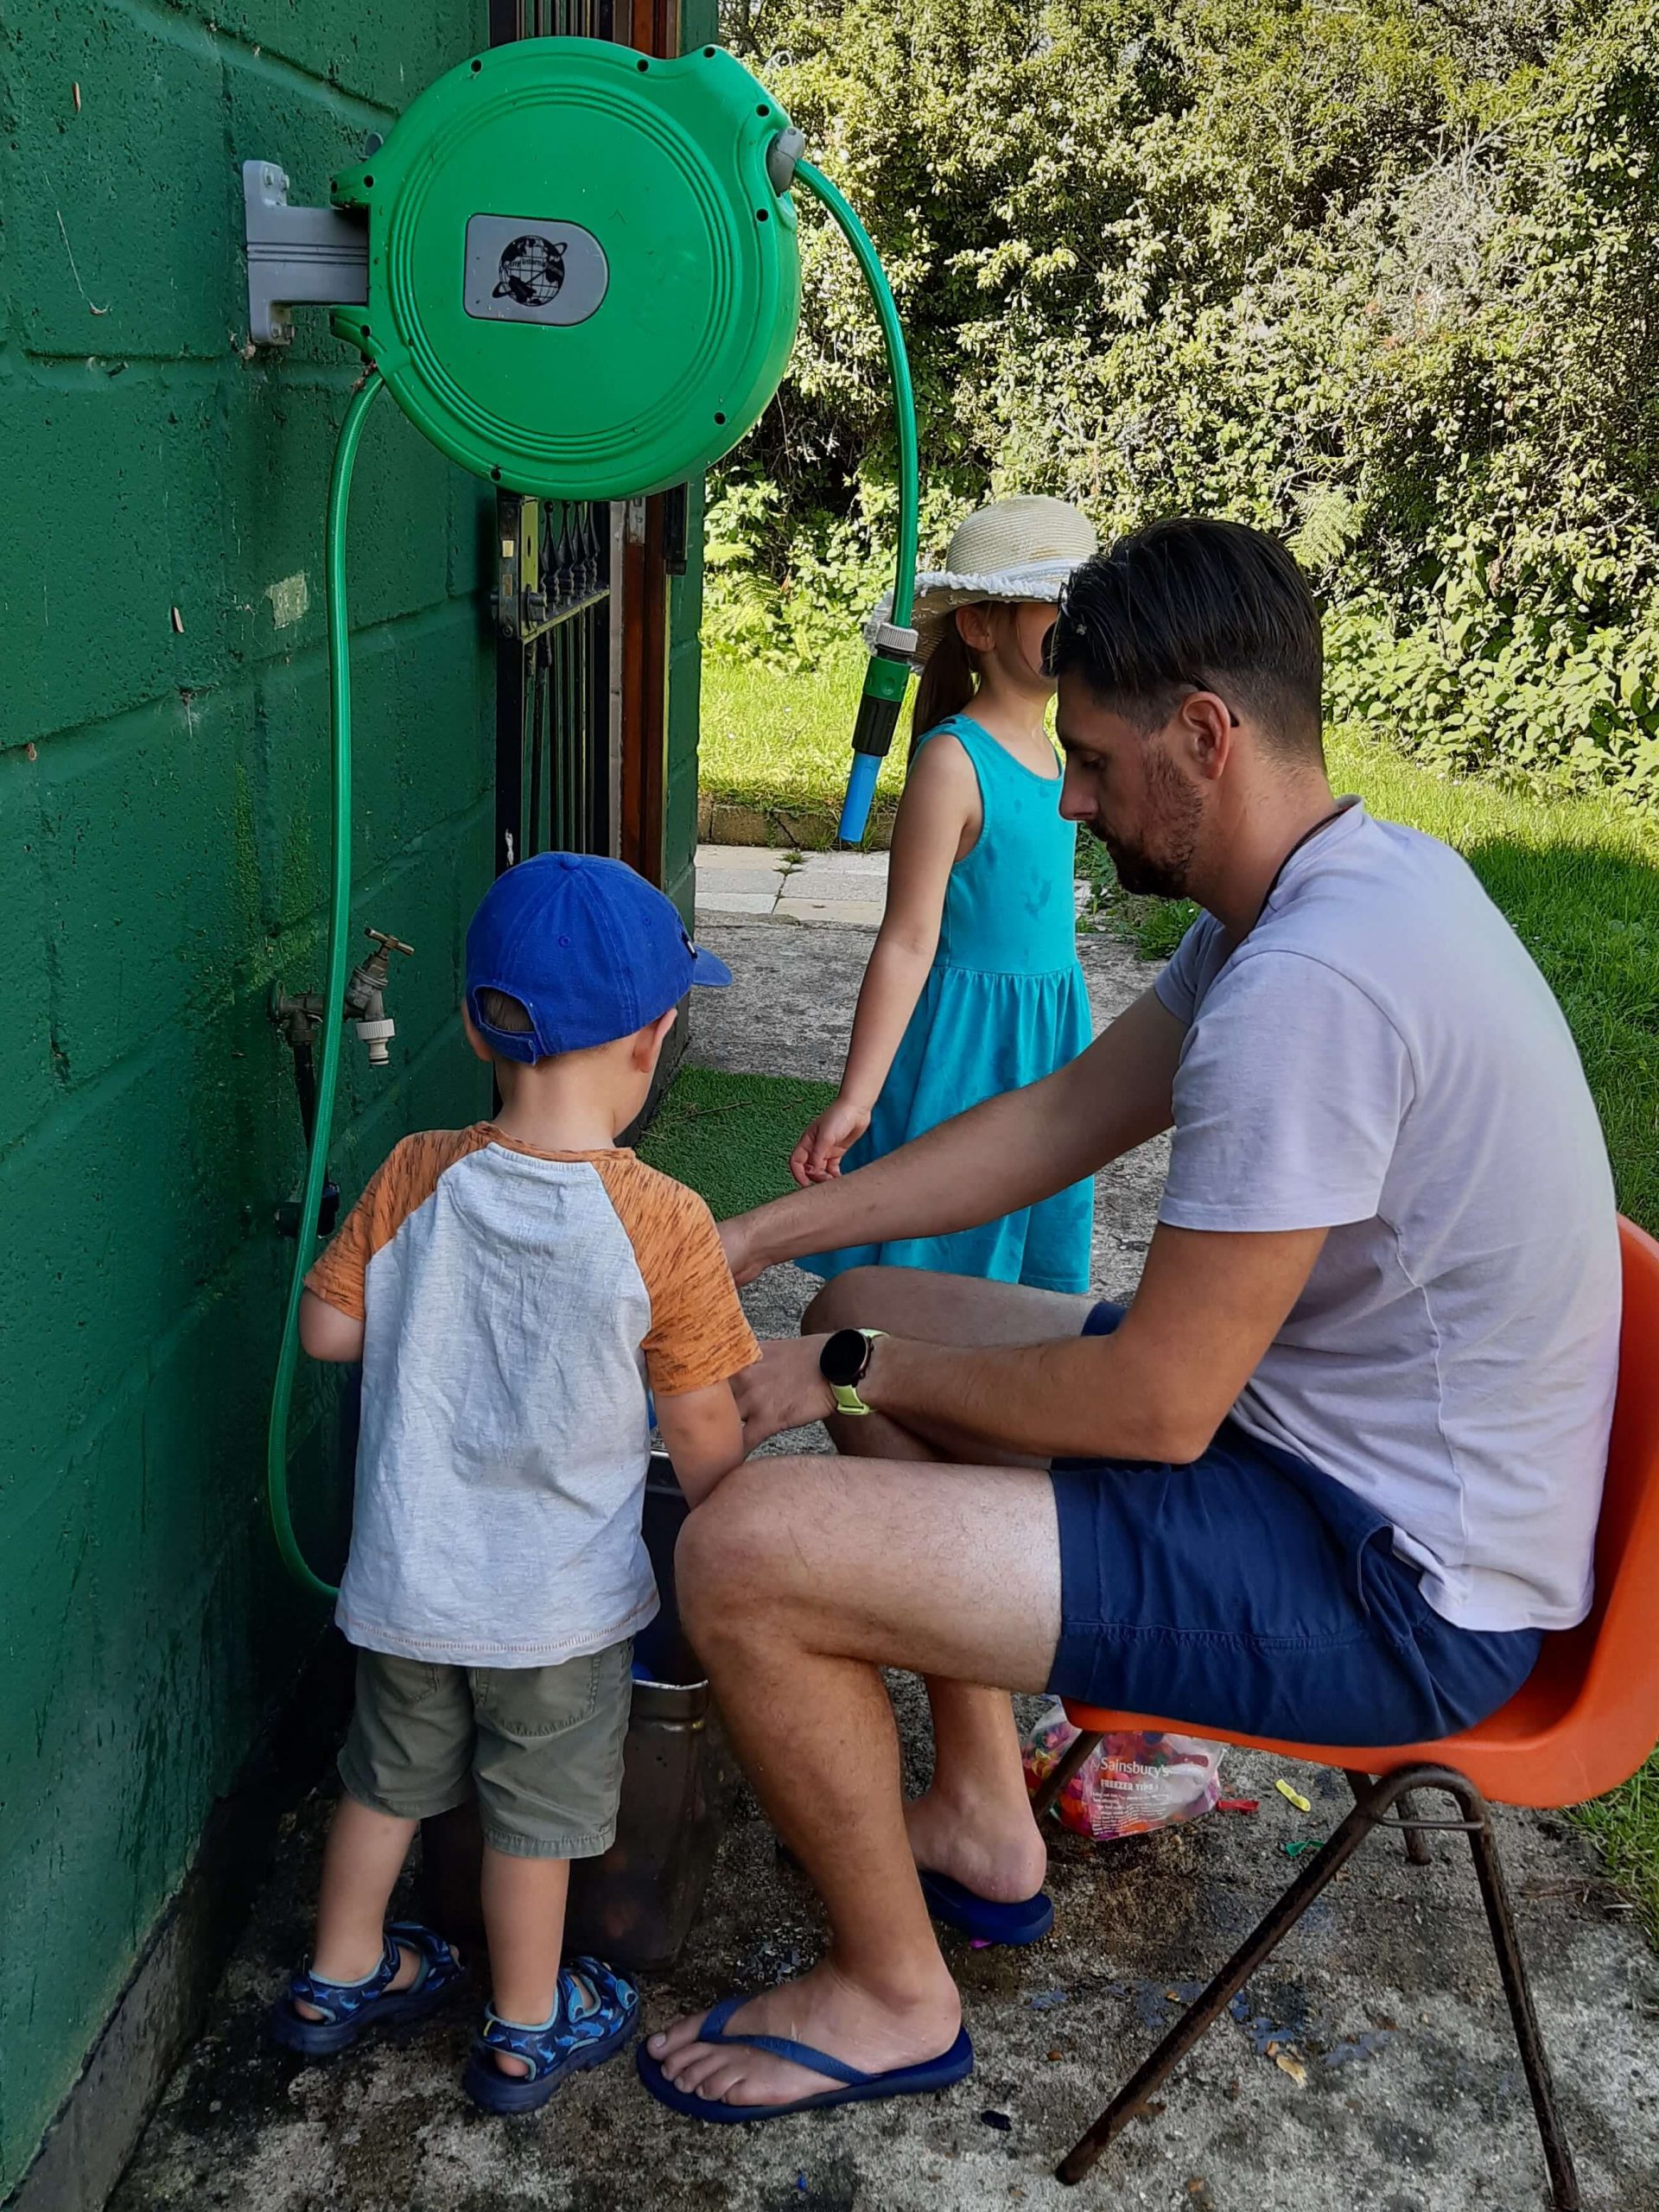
(1371, 2066)
(770, 883)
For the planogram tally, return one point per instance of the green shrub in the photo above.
(1379, 276)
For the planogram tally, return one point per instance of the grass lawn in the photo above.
(778, 747)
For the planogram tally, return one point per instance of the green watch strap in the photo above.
(846, 1393)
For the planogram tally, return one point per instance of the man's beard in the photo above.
(1157, 865)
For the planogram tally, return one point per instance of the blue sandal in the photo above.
(352, 2009)
(595, 2012)
(857, 2088)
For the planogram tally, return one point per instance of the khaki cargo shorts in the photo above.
(541, 1745)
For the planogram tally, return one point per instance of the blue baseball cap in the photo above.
(590, 950)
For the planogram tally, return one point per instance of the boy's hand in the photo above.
(818, 1154)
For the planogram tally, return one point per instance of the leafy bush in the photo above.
(1380, 276)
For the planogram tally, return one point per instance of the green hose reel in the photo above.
(579, 278)
(583, 278)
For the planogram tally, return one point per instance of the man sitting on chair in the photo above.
(1327, 1477)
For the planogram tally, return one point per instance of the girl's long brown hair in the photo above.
(949, 681)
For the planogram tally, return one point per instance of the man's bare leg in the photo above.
(974, 1820)
(798, 1580)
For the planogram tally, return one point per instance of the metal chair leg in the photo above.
(1417, 1848)
(1535, 2059)
(1374, 1804)
(1130, 2101)
(1417, 1844)
(1060, 1773)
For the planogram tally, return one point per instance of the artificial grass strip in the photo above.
(729, 1136)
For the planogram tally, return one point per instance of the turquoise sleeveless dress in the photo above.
(1004, 1005)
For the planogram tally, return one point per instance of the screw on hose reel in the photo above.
(581, 276)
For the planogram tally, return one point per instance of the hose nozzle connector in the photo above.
(377, 1035)
(878, 708)
(886, 680)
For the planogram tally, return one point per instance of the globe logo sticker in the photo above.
(530, 269)
(533, 271)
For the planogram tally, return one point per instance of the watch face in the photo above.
(844, 1357)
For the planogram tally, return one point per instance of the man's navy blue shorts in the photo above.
(1250, 1592)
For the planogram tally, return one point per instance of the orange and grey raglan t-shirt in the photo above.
(517, 1306)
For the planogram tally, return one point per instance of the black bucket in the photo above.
(635, 1906)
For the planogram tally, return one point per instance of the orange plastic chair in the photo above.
(1585, 1720)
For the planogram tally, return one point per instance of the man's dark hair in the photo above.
(1192, 603)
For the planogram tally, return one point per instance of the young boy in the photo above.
(511, 1289)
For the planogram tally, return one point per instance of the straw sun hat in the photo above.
(1013, 548)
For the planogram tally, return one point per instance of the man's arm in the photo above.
(1208, 1307)
(1009, 1152)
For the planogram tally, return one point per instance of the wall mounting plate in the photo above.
(583, 282)
(297, 255)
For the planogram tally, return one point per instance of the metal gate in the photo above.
(581, 601)
(556, 739)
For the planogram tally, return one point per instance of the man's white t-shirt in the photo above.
(1380, 1057)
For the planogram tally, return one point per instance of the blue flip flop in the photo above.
(982, 1918)
(595, 2010)
(351, 2010)
(942, 2073)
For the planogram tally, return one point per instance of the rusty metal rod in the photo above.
(1316, 1870)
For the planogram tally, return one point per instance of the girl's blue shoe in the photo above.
(352, 2009)
(596, 2013)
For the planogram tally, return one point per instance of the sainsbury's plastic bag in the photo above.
(1133, 1781)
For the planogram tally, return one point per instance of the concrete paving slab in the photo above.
(836, 869)
(727, 879)
(741, 857)
(757, 903)
(1401, 2093)
(852, 913)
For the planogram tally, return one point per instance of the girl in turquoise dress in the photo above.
(974, 986)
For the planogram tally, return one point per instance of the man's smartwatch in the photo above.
(842, 1363)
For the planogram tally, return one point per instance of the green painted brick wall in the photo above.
(162, 859)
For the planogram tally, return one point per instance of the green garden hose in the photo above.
(884, 691)
(340, 905)
(888, 673)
